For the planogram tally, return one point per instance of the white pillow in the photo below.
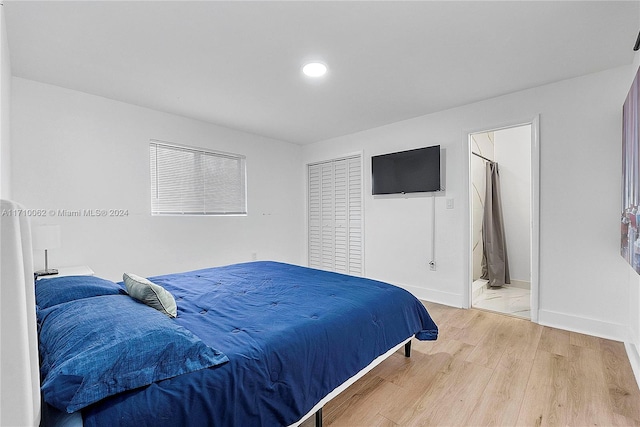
(151, 294)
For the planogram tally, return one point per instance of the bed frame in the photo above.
(317, 410)
(20, 379)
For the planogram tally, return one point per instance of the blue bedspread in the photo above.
(292, 334)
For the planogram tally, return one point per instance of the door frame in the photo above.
(534, 228)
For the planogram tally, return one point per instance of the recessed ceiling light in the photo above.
(314, 69)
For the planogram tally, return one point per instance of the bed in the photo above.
(273, 343)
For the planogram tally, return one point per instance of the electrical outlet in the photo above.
(432, 265)
(449, 203)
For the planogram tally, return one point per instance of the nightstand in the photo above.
(77, 270)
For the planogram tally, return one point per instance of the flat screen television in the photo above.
(412, 171)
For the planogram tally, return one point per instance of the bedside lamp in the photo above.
(46, 237)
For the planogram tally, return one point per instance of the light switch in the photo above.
(449, 203)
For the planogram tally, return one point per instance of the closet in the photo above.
(335, 215)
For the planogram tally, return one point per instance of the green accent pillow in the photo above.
(151, 294)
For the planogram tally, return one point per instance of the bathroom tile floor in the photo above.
(508, 300)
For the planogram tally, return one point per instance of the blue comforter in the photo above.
(292, 335)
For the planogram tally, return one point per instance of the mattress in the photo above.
(291, 334)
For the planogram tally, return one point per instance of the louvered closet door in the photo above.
(335, 216)
(355, 216)
(315, 226)
(340, 215)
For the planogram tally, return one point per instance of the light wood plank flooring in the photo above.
(488, 369)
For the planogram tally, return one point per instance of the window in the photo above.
(194, 181)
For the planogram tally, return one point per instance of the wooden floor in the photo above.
(488, 369)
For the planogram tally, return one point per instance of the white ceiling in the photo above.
(238, 64)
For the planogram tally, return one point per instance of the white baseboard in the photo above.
(522, 284)
(583, 325)
(569, 322)
(439, 297)
(634, 358)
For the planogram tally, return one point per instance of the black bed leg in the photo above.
(407, 349)
(319, 418)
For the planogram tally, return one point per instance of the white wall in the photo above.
(74, 151)
(513, 154)
(5, 114)
(583, 279)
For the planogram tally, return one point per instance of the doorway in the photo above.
(503, 200)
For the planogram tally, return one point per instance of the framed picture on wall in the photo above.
(630, 217)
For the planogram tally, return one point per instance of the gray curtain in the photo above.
(495, 264)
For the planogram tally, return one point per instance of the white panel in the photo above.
(315, 225)
(355, 216)
(341, 207)
(19, 363)
(335, 216)
(327, 216)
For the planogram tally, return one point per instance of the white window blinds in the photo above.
(194, 181)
